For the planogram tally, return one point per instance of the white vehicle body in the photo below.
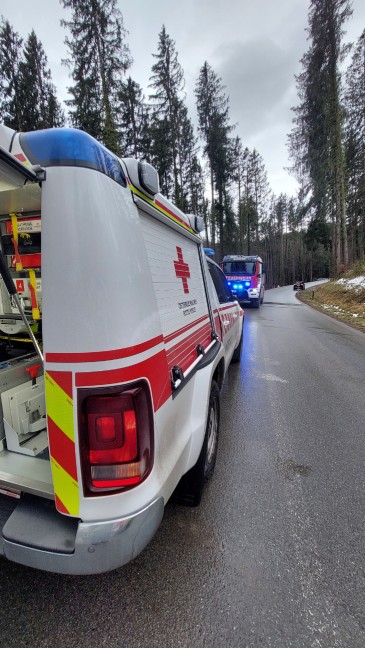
(133, 336)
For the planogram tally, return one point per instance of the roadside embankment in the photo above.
(342, 298)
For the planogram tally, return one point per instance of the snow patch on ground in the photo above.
(332, 307)
(357, 283)
(337, 309)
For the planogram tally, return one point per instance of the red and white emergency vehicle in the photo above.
(246, 278)
(116, 333)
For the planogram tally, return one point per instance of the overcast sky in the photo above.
(254, 45)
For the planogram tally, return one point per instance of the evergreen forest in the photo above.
(204, 167)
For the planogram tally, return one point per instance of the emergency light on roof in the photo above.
(196, 222)
(143, 176)
(70, 147)
(148, 178)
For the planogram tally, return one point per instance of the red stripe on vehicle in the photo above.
(104, 356)
(184, 329)
(184, 356)
(166, 209)
(63, 380)
(62, 449)
(224, 308)
(198, 337)
(61, 508)
(155, 369)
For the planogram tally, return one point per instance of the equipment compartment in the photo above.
(24, 455)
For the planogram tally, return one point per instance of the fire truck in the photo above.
(116, 333)
(246, 278)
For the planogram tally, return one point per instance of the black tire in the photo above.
(212, 430)
(256, 303)
(189, 490)
(238, 350)
(263, 297)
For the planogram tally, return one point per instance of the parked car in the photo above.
(299, 285)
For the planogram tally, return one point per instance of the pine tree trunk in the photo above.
(212, 218)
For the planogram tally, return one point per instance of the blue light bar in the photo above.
(70, 147)
(247, 284)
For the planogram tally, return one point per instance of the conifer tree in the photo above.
(355, 148)
(242, 180)
(28, 97)
(99, 59)
(10, 55)
(167, 81)
(191, 174)
(37, 95)
(214, 127)
(161, 153)
(316, 143)
(260, 189)
(133, 120)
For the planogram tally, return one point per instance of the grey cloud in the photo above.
(258, 77)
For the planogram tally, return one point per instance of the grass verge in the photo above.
(342, 299)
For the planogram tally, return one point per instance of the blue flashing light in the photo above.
(238, 286)
(247, 284)
(70, 147)
(209, 251)
(229, 282)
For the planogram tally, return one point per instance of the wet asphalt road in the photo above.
(274, 556)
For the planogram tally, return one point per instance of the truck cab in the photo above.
(246, 278)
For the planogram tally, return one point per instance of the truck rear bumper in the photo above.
(75, 547)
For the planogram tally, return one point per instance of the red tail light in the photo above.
(116, 433)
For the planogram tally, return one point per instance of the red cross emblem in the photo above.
(182, 269)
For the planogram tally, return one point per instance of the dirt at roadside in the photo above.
(342, 299)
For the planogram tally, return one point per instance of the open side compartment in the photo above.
(24, 454)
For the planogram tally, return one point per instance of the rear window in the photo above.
(70, 147)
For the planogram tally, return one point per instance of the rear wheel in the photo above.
(190, 487)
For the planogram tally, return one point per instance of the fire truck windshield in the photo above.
(239, 267)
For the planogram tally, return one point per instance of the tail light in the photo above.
(116, 435)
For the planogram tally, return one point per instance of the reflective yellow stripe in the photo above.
(14, 225)
(35, 309)
(160, 209)
(59, 407)
(66, 488)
